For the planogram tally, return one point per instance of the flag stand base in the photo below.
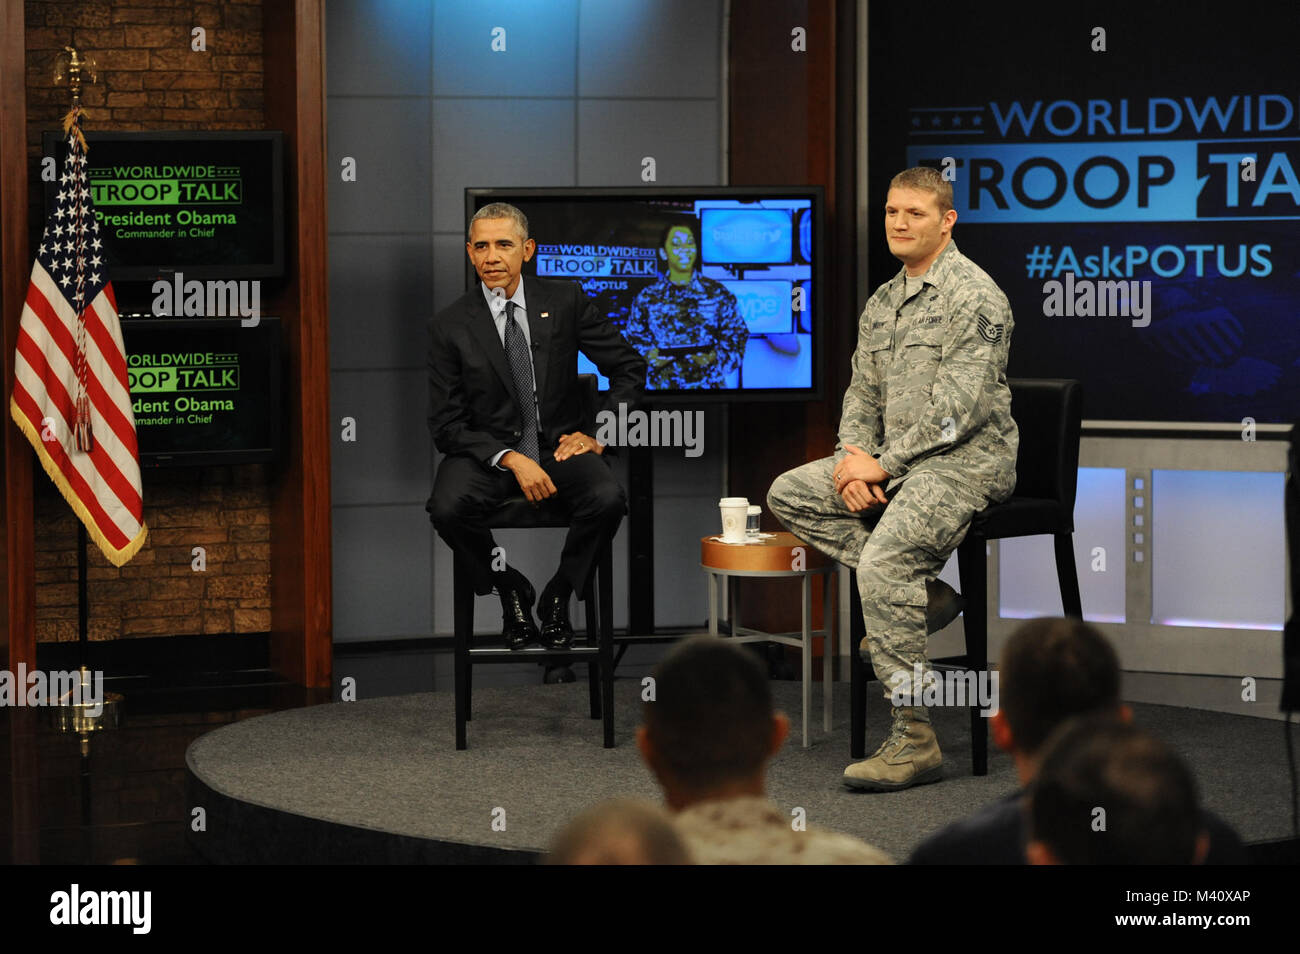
(75, 711)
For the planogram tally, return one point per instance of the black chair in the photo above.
(598, 651)
(1048, 413)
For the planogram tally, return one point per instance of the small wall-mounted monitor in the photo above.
(204, 391)
(207, 204)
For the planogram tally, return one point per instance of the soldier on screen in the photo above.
(926, 441)
(688, 327)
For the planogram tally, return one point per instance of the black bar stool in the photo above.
(598, 606)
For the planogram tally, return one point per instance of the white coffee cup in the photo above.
(734, 511)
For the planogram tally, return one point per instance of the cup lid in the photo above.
(754, 508)
(733, 502)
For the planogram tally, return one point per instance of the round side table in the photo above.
(775, 556)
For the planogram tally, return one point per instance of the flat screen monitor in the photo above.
(204, 391)
(719, 288)
(207, 204)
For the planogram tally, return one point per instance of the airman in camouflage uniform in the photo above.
(929, 402)
(688, 327)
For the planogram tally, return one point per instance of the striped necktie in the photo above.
(521, 369)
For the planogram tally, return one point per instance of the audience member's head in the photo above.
(709, 729)
(619, 832)
(1052, 670)
(1108, 793)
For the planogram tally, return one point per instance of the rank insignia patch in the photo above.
(989, 331)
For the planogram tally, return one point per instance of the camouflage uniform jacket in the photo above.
(929, 389)
(692, 335)
(750, 830)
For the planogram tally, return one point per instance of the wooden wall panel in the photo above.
(301, 569)
(18, 635)
(790, 123)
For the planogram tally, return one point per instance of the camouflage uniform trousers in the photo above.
(894, 550)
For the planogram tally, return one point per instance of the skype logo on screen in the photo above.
(765, 305)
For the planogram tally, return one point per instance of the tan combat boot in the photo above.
(910, 756)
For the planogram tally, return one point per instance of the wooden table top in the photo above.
(774, 553)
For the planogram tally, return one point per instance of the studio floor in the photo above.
(386, 763)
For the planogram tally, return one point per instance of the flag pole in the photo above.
(77, 711)
(83, 599)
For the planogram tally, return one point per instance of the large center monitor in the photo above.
(719, 288)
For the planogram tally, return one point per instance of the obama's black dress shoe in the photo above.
(517, 626)
(553, 611)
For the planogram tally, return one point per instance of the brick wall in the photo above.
(223, 510)
(150, 78)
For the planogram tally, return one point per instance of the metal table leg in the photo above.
(806, 606)
(713, 603)
(828, 647)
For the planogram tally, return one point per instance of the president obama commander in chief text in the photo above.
(926, 442)
(506, 410)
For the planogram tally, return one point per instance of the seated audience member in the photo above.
(1108, 793)
(707, 735)
(1052, 670)
(619, 832)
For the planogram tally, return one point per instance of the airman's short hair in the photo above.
(1148, 795)
(711, 718)
(925, 179)
(1054, 669)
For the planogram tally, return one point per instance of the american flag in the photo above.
(71, 396)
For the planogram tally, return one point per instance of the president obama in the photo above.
(505, 408)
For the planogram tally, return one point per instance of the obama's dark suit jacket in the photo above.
(472, 408)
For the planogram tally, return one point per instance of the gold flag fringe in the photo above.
(113, 555)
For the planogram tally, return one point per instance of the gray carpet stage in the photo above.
(380, 780)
